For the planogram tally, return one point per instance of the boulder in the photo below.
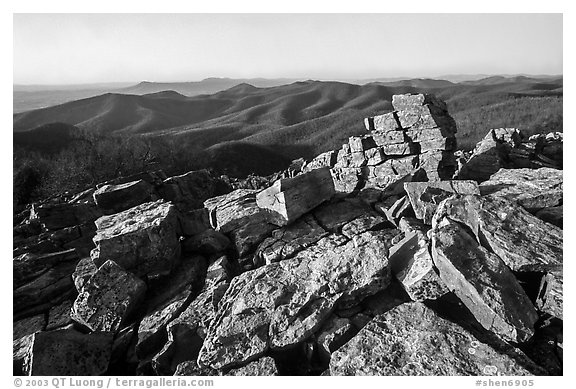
(327, 159)
(116, 198)
(425, 116)
(425, 196)
(142, 240)
(521, 240)
(412, 265)
(68, 352)
(482, 281)
(288, 199)
(382, 123)
(346, 180)
(411, 339)
(394, 208)
(282, 304)
(108, 298)
(534, 189)
(20, 349)
(237, 215)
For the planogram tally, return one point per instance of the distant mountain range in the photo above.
(29, 97)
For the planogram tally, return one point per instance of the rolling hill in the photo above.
(301, 119)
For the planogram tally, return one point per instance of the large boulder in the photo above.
(116, 198)
(482, 281)
(68, 352)
(521, 240)
(534, 189)
(551, 294)
(55, 216)
(411, 339)
(108, 298)
(281, 304)
(143, 239)
(189, 191)
(288, 199)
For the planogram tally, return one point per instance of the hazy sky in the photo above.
(90, 48)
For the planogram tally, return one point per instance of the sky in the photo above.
(96, 48)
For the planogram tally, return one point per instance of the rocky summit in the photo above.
(396, 254)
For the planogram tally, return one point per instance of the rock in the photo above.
(393, 173)
(69, 353)
(55, 216)
(521, 240)
(28, 326)
(282, 304)
(384, 123)
(358, 144)
(383, 137)
(490, 155)
(83, 271)
(482, 281)
(191, 368)
(264, 366)
(395, 207)
(327, 159)
(189, 191)
(413, 101)
(552, 215)
(551, 294)
(142, 240)
(108, 298)
(533, 189)
(425, 116)
(438, 164)
(167, 301)
(335, 333)
(412, 340)
(187, 331)
(288, 199)
(207, 242)
(412, 265)
(346, 180)
(237, 215)
(59, 315)
(116, 198)
(425, 196)
(367, 222)
(41, 281)
(288, 241)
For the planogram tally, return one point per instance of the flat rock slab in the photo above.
(521, 240)
(281, 304)
(69, 353)
(412, 340)
(482, 282)
(534, 189)
(108, 298)
(116, 198)
(143, 239)
(288, 199)
(426, 196)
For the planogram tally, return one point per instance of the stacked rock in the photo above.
(418, 135)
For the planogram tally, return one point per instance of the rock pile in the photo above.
(370, 260)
